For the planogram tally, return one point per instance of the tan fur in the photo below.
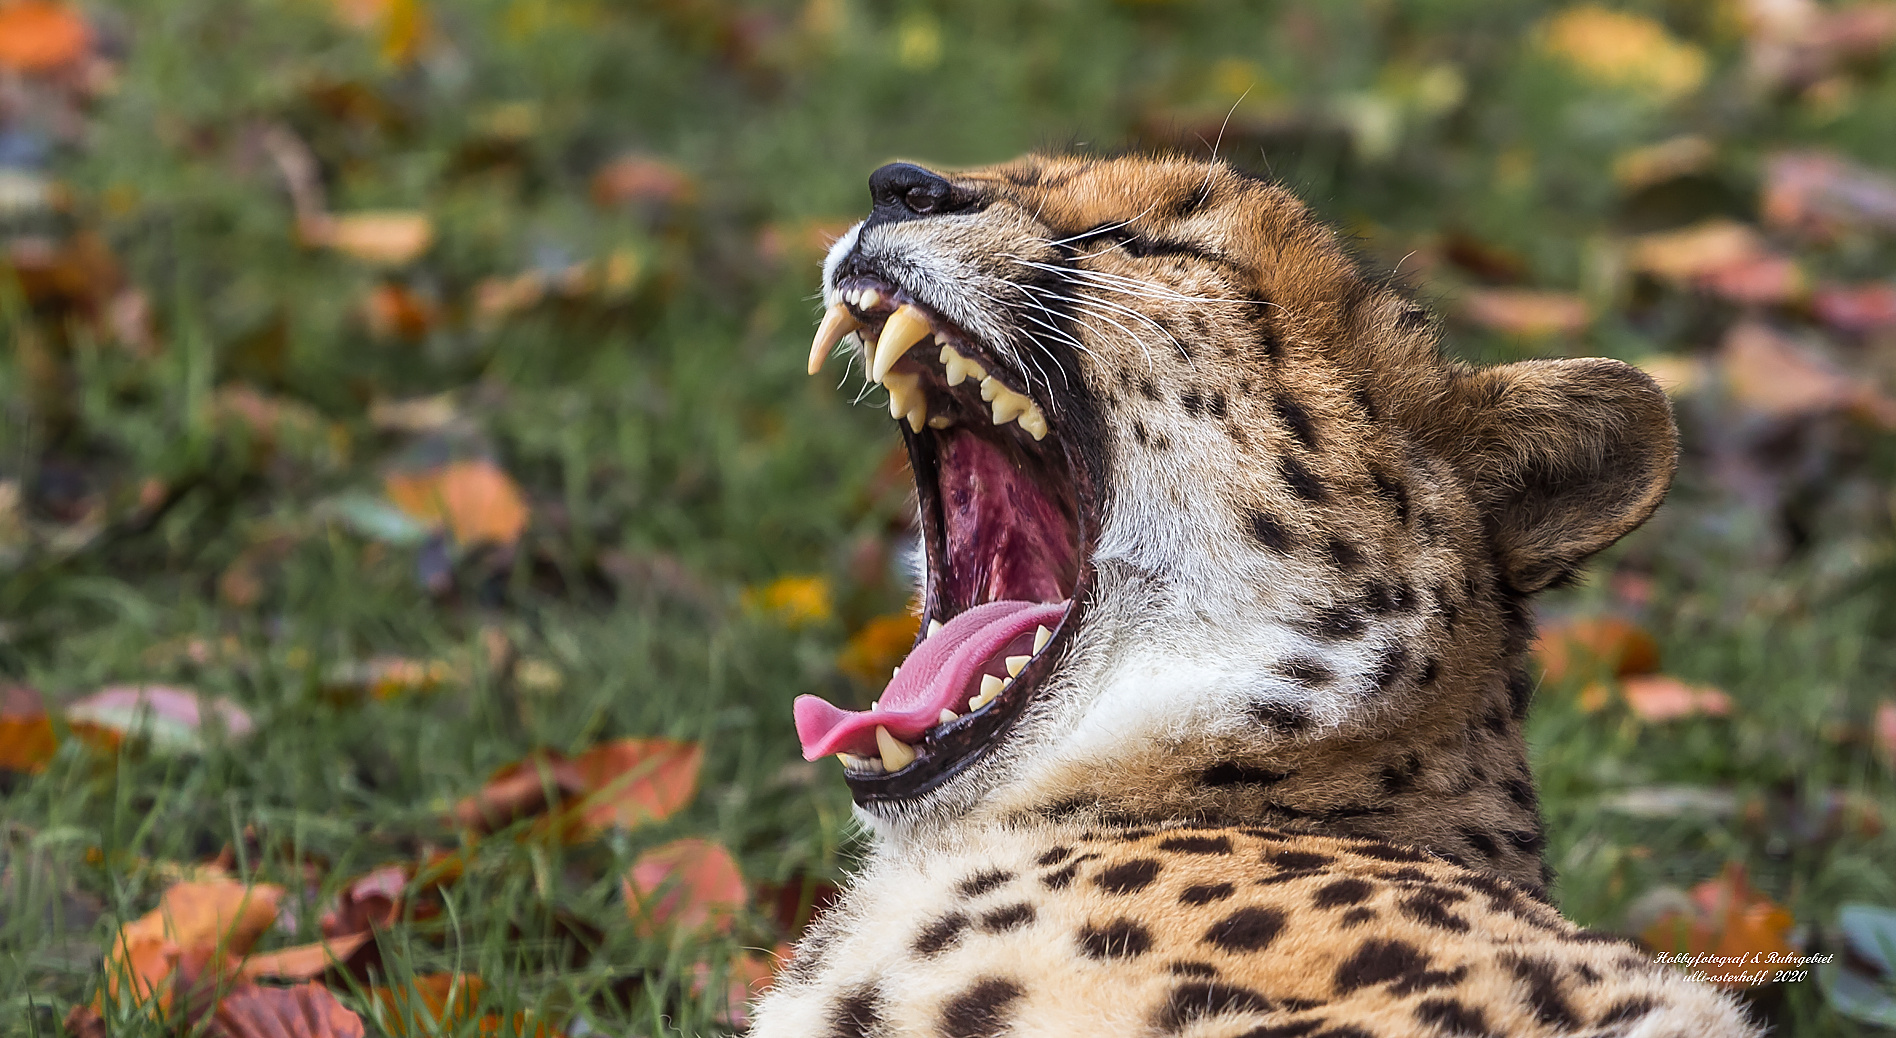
(1314, 545)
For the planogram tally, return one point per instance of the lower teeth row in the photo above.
(896, 754)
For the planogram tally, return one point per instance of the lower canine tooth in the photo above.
(896, 754)
(948, 715)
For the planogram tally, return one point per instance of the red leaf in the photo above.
(1857, 308)
(305, 1011)
(629, 782)
(1728, 917)
(1587, 644)
(689, 885)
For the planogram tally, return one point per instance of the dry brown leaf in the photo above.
(304, 961)
(205, 920)
(432, 1003)
(1727, 918)
(624, 783)
(1692, 252)
(1759, 280)
(398, 312)
(27, 738)
(372, 901)
(40, 36)
(1594, 645)
(1782, 378)
(1618, 49)
(305, 1011)
(390, 238)
(1856, 308)
(1527, 312)
(688, 885)
(478, 502)
(1657, 697)
(641, 179)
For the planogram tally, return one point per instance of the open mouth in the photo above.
(1002, 506)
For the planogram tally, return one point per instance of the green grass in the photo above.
(675, 453)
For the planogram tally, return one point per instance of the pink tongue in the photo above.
(941, 674)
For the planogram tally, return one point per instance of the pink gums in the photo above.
(943, 673)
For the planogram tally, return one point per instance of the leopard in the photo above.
(1213, 725)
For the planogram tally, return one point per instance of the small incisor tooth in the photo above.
(1015, 664)
(853, 762)
(1041, 637)
(896, 754)
(906, 399)
(837, 322)
(940, 421)
(948, 715)
(906, 327)
(958, 368)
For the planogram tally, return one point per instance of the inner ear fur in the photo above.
(1565, 457)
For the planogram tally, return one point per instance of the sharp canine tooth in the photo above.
(837, 322)
(948, 715)
(1034, 422)
(905, 328)
(990, 687)
(1014, 665)
(1041, 637)
(896, 754)
(934, 628)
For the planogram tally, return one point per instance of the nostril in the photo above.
(900, 189)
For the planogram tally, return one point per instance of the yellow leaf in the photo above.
(794, 600)
(1617, 49)
(876, 649)
(388, 237)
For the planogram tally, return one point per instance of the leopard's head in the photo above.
(1203, 506)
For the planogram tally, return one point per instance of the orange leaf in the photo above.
(690, 885)
(1526, 312)
(478, 502)
(1728, 918)
(432, 1003)
(304, 961)
(195, 918)
(39, 36)
(394, 311)
(1591, 644)
(629, 782)
(749, 976)
(305, 1011)
(27, 739)
(514, 791)
(875, 650)
(1693, 252)
(1656, 697)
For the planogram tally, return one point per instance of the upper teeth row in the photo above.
(905, 327)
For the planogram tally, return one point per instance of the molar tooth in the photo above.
(1015, 664)
(906, 399)
(990, 687)
(896, 754)
(948, 715)
(991, 387)
(1041, 637)
(837, 322)
(934, 628)
(1008, 405)
(1034, 422)
(940, 421)
(906, 327)
(959, 368)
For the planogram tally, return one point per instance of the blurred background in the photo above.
(415, 521)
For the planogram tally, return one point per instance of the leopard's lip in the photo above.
(1005, 508)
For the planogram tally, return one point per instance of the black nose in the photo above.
(902, 190)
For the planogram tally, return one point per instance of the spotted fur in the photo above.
(1275, 785)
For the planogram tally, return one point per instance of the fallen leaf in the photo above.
(1676, 375)
(1526, 312)
(398, 312)
(1618, 49)
(1691, 253)
(875, 650)
(477, 501)
(1728, 918)
(304, 961)
(27, 738)
(624, 783)
(387, 677)
(1656, 697)
(432, 1003)
(746, 979)
(1822, 195)
(688, 885)
(210, 919)
(794, 600)
(798, 901)
(172, 718)
(1757, 280)
(1795, 43)
(390, 238)
(1666, 160)
(1883, 731)
(40, 35)
(496, 298)
(1856, 308)
(641, 179)
(304, 1011)
(1594, 644)
(370, 902)
(1781, 377)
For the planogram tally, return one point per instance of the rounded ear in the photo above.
(1565, 457)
